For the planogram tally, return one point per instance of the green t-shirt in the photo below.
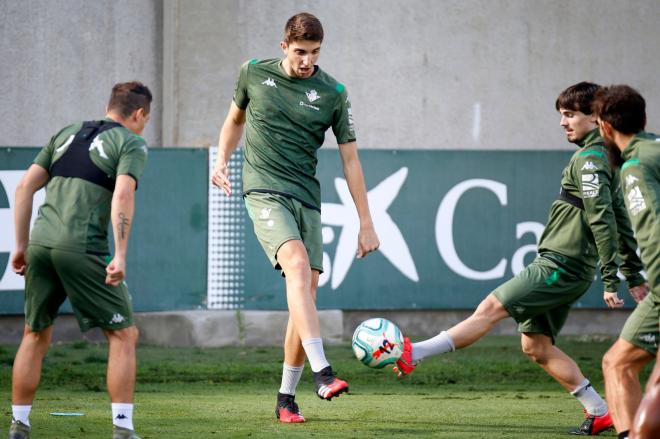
(76, 212)
(287, 118)
(640, 178)
(579, 239)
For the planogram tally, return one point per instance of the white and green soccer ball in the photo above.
(377, 343)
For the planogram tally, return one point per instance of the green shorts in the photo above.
(540, 297)
(53, 275)
(278, 219)
(641, 328)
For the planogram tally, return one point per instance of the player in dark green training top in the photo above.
(287, 105)
(90, 170)
(621, 113)
(587, 225)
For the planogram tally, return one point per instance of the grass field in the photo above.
(489, 390)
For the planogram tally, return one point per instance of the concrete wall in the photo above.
(60, 58)
(424, 74)
(421, 73)
(267, 328)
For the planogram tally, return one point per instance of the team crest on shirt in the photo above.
(589, 166)
(589, 185)
(312, 95)
(636, 201)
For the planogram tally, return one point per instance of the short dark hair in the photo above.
(577, 97)
(622, 107)
(126, 97)
(303, 27)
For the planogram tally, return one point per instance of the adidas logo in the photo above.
(121, 416)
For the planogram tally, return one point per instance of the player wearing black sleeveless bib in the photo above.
(90, 170)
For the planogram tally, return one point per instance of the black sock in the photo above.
(624, 434)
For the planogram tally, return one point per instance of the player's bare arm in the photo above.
(123, 205)
(367, 238)
(230, 135)
(34, 179)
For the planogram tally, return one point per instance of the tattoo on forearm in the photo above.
(123, 225)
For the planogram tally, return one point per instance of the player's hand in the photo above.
(115, 271)
(639, 292)
(367, 241)
(612, 300)
(18, 262)
(220, 178)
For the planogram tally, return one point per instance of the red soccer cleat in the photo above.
(327, 385)
(593, 425)
(405, 365)
(287, 410)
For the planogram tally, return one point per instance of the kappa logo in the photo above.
(270, 82)
(312, 95)
(630, 180)
(590, 185)
(66, 144)
(98, 145)
(117, 318)
(589, 166)
(648, 338)
(636, 201)
(392, 245)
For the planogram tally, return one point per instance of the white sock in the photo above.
(590, 399)
(439, 344)
(314, 350)
(290, 378)
(122, 415)
(21, 413)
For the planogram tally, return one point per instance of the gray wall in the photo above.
(60, 58)
(466, 74)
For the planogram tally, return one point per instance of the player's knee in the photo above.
(534, 351)
(38, 339)
(618, 357)
(127, 336)
(297, 265)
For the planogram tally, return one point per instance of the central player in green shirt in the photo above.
(587, 225)
(621, 112)
(288, 105)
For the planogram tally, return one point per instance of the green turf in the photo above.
(488, 390)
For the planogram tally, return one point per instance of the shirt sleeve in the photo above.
(47, 153)
(342, 118)
(241, 98)
(631, 265)
(133, 158)
(595, 179)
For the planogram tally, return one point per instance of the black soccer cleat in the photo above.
(593, 425)
(327, 385)
(287, 410)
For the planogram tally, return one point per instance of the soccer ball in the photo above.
(377, 342)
